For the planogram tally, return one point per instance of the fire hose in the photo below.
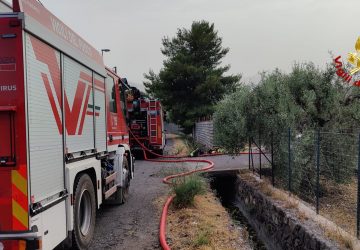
(166, 180)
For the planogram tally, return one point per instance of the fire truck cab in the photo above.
(64, 143)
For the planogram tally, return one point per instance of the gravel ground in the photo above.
(135, 224)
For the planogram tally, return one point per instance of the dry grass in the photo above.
(207, 225)
(289, 201)
(302, 216)
(345, 241)
(180, 148)
(339, 204)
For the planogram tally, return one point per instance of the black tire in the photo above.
(160, 151)
(122, 194)
(84, 213)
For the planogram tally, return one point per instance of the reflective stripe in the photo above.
(19, 181)
(19, 213)
(19, 201)
(120, 137)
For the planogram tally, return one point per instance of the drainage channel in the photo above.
(223, 183)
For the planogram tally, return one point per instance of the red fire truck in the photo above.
(146, 121)
(64, 143)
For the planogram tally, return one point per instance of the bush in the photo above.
(230, 130)
(186, 189)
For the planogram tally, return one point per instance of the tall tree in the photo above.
(192, 80)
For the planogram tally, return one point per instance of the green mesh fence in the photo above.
(321, 168)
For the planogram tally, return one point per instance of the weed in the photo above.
(186, 189)
(202, 238)
(342, 238)
(291, 204)
(178, 149)
(302, 216)
(190, 143)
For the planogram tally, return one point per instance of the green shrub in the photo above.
(230, 131)
(186, 189)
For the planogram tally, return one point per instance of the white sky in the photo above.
(261, 34)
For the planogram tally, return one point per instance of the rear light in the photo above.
(135, 126)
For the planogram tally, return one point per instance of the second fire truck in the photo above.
(146, 118)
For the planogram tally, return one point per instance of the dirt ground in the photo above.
(205, 226)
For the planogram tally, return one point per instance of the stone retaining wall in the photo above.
(275, 226)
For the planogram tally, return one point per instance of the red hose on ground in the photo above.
(171, 159)
(166, 180)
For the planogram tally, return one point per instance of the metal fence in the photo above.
(322, 168)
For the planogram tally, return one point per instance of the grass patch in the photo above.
(179, 149)
(186, 189)
(190, 143)
(202, 239)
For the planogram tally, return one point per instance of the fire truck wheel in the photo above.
(160, 152)
(84, 212)
(122, 194)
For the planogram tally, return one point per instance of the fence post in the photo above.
(289, 157)
(249, 153)
(252, 157)
(272, 159)
(358, 195)
(260, 153)
(317, 171)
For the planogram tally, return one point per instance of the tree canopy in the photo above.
(306, 98)
(192, 79)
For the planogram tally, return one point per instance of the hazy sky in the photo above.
(261, 34)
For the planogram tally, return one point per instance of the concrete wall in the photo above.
(204, 133)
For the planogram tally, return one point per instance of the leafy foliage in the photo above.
(192, 80)
(306, 99)
(230, 128)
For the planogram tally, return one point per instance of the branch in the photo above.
(350, 99)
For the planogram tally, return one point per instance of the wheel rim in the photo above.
(84, 212)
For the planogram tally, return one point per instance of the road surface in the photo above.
(133, 225)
